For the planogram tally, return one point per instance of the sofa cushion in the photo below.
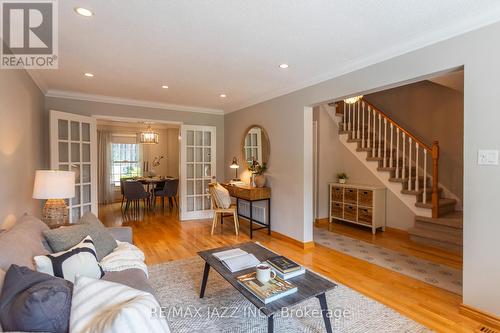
(22, 242)
(81, 259)
(63, 238)
(132, 277)
(34, 302)
(103, 306)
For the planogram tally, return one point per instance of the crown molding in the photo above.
(457, 29)
(38, 81)
(130, 102)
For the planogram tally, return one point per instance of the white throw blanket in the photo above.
(124, 256)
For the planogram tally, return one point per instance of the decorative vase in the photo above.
(152, 173)
(342, 180)
(260, 180)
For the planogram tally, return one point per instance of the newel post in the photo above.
(435, 179)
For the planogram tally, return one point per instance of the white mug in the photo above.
(264, 272)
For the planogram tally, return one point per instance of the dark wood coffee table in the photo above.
(309, 284)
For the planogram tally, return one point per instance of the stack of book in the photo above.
(267, 292)
(285, 268)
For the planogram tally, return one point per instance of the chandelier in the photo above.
(352, 100)
(149, 136)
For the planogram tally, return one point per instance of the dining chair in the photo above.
(219, 210)
(169, 190)
(122, 180)
(134, 192)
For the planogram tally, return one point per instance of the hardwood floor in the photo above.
(163, 238)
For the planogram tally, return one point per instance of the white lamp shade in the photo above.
(54, 184)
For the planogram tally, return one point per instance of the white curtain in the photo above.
(105, 189)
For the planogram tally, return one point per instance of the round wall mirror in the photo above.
(256, 145)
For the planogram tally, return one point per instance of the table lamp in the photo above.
(235, 166)
(55, 186)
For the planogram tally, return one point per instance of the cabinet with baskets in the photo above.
(359, 204)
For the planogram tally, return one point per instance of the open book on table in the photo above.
(236, 259)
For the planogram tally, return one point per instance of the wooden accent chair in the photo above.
(219, 211)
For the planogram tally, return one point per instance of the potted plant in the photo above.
(257, 170)
(342, 177)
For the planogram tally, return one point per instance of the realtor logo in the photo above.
(29, 34)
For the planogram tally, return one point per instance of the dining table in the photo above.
(151, 182)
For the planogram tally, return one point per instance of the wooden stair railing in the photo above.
(405, 153)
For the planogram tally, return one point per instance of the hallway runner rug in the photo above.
(438, 275)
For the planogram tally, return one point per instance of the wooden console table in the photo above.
(252, 194)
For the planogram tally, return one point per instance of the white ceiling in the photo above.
(203, 48)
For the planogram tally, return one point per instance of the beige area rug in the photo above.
(438, 275)
(223, 309)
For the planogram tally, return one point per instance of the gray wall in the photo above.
(88, 108)
(283, 118)
(334, 157)
(431, 112)
(22, 143)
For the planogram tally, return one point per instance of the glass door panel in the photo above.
(73, 146)
(198, 170)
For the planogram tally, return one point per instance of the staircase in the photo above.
(406, 166)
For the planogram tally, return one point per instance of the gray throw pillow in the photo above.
(63, 238)
(35, 302)
(22, 242)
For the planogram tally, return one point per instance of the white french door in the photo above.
(198, 169)
(73, 147)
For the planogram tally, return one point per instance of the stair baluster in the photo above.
(417, 181)
(348, 117)
(363, 126)
(424, 200)
(404, 156)
(369, 126)
(379, 135)
(345, 116)
(373, 141)
(357, 118)
(391, 156)
(385, 143)
(409, 163)
(398, 172)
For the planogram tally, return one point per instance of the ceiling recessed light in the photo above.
(89, 75)
(84, 11)
(164, 87)
(223, 95)
(283, 66)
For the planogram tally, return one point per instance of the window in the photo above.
(125, 161)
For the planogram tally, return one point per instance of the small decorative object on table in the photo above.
(342, 177)
(258, 178)
(55, 186)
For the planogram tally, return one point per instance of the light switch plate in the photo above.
(487, 157)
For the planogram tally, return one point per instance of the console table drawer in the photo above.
(365, 215)
(350, 195)
(337, 194)
(350, 212)
(365, 197)
(337, 210)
